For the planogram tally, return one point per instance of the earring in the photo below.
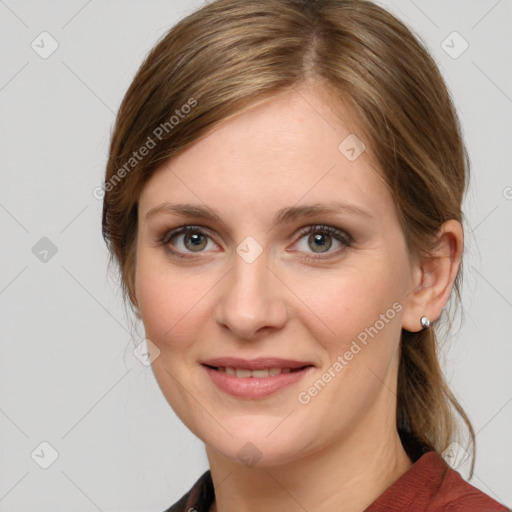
(425, 322)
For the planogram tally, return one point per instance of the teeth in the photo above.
(242, 373)
(259, 374)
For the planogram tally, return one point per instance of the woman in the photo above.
(283, 199)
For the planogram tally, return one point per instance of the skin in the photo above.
(341, 450)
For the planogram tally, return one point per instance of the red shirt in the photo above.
(429, 485)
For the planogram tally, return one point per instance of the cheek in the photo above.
(171, 303)
(353, 301)
(358, 323)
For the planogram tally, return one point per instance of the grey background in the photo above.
(67, 371)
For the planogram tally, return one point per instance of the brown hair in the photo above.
(231, 54)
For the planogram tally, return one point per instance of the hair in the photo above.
(231, 54)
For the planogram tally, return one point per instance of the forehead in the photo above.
(288, 149)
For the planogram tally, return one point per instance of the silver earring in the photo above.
(425, 322)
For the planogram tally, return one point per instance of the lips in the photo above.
(256, 378)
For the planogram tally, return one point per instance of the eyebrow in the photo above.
(288, 214)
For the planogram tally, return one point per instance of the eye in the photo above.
(193, 239)
(188, 239)
(321, 238)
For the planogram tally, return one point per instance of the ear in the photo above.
(434, 277)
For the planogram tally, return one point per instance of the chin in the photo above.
(259, 441)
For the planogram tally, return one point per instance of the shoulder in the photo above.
(431, 485)
(457, 494)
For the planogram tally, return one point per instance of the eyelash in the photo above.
(344, 238)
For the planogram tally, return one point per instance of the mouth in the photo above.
(257, 378)
(244, 373)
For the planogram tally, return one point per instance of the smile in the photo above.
(243, 373)
(255, 379)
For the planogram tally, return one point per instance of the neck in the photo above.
(345, 477)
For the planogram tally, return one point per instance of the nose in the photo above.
(252, 299)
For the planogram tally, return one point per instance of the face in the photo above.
(303, 305)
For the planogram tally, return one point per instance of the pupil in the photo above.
(319, 240)
(195, 238)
